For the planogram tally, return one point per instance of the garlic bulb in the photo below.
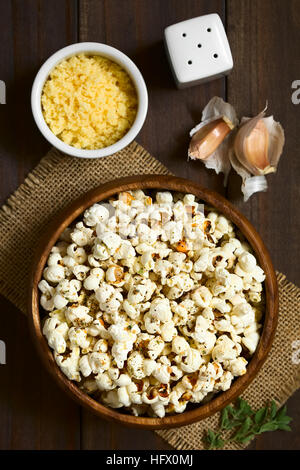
(210, 142)
(258, 144)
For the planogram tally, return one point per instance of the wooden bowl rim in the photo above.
(164, 182)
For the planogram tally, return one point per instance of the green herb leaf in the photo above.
(284, 427)
(245, 408)
(246, 423)
(273, 410)
(214, 440)
(226, 422)
(260, 415)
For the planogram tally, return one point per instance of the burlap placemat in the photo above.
(59, 179)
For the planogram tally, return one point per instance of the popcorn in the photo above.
(237, 366)
(100, 251)
(244, 313)
(115, 275)
(155, 347)
(67, 290)
(161, 373)
(174, 293)
(159, 409)
(101, 346)
(99, 362)
(54, 259)
(92, 281)
(47, 295)
(224, 382)
(95, 214)
(111, 399)
(93, 262)
(125, 251)
(54, 274)
(192, 361)
(147, 260)
(164, 198)
(81, 235)
(202, 336)
(78, 337)
(182, 281)
(112, 241)
(135, 365)
(202, 296)
(152, 325)
(146, 234)
(104, 382)
(251, 341)
(77, 253)
(224, 349)
(123, 381)
(247, 262)
(70, 364)
(172, 232)
(168, 331)
(160, 310)
(84, 366)
(56, 333)
(78, 315)
(123, 396)
(149, 366)
(80, 271)
(151, 303)
(180, 345)
(202, 262)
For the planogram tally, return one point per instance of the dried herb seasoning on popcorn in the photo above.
(151, 304)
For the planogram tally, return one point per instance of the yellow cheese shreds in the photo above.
(89, 102)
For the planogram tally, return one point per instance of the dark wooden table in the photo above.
(264, 36)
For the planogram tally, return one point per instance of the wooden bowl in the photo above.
(67, 216)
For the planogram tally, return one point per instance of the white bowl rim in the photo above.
(98, 49)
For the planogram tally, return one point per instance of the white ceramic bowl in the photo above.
(96, 49)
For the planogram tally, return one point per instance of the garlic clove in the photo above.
(208, 138)
(214, 150)
(258, 144)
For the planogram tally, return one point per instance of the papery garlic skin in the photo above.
(224, 117)
(276, 140)
(258, 144)
(255, 184)
(251, 184)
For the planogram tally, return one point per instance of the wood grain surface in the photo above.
(263, 35)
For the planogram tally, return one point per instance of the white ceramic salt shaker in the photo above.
(198, 50)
